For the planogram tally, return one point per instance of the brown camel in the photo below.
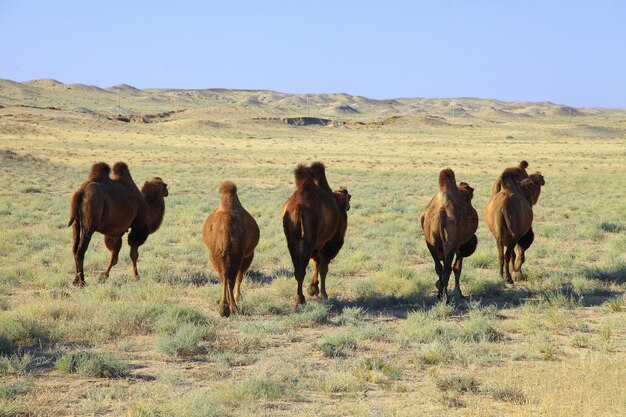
(520, 171)
(314, 222)
(109, 206)
(531, 188)
(449, 223)
(230, 235)
(509, 217)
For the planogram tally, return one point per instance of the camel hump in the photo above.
(446, 179)
(99, 171)
(228, 187)
(523, 164)
(319, 175)
(120, 168)
(303, 176)
(509, 179)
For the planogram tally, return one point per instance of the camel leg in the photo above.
(231, 296)
(313, 289)
(507, 260)
(438, 267)
(245, 264)
(323, 269)
(500, 245)
(134, 255)
(458, 266)
(300, 258)
(224, 302)
(448, 257)
(113, 244)
(523, 244)
(79, 257)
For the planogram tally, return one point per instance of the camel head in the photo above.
(154, 188)
(343, 198)
(467, 189)
(537, 178)
(528, 187)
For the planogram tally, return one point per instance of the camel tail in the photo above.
(77, 200)
(507, 221)
(442, 224)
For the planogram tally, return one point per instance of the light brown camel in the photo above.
(311, 219)
(509, 217)
(449, 223)
(230, 234)
(531, 188)
(111, 207)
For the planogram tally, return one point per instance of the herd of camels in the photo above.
(315, 220)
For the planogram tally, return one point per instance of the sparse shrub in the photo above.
(508, 394)
(12, 389)
(579, 341)
(185, 340)
(457, 383)
(177, 315)
(90, 364)
(452, 401)
(6, 346)
(611, 227)
(333, 346)
(614, 304)
(310, 314)
(351, 315)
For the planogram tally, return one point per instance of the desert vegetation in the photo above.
(381, 344)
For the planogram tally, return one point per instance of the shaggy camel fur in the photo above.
(449, 223)
(520, 171)
(109, 206)
(509, 217)
(230, 235)
(314, 223)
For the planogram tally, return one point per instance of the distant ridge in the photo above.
(47, 93)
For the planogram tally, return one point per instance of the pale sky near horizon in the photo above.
(569, 52)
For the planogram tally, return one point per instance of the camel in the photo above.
(449, 223)
(111, 206)
(230, 234)
(314, 222)
(509, 217)
(531, 188)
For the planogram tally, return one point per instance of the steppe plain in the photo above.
(553, 344)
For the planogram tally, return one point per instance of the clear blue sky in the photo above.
(570, 52)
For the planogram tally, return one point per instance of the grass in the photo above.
(381, 344)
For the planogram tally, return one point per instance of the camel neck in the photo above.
(156, 213)
(230, 201)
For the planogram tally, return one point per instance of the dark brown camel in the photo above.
(314, 225)
(110, 206)
(230, 234)
(509, 217)
(449, 223)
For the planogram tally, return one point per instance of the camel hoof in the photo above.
(458, 294)
(324, 296)
(224, 311)
(103, 277)
(313, 290)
